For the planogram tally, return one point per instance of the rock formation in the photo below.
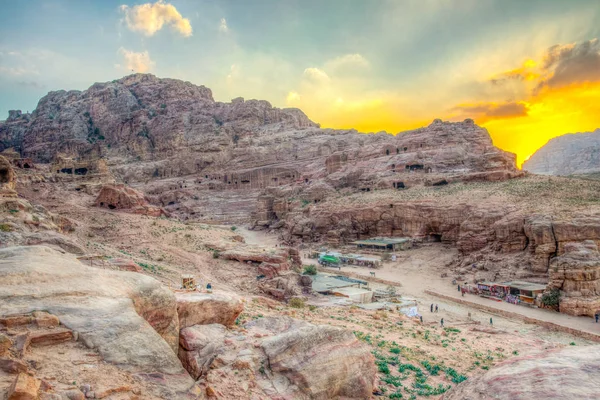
(286, 358)
(218, 307)
(570, 373)
(570, 154)
(172, 147)
(8, 179)
(122, 197)
(129, 318)
(576, 273)
(206, 160)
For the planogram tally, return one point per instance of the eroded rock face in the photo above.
(121, 197)
(199, 346)
(195, 308)
(576, 274)
(570, 373)
(573, 153)
(131, 319)
(8, 179)
(323, 362)
(282, 357)
(212, 161)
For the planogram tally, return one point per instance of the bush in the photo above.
(5, 228)
(296, 302)
(310, 269)
(216, 253)
(551, 298)
(233, 228)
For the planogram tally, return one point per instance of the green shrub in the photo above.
(216, 253)
(5, 228)
(310, 270)
(551, 298)
(383, 367)
(233, 228)
(296, 302)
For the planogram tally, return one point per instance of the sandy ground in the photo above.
(420, 269)
(468, 346)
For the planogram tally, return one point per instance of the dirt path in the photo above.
(258, 238)
(421, 270)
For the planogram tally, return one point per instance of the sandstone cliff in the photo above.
(207, 160)
(570, 154)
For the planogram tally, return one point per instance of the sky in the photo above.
(525, 70)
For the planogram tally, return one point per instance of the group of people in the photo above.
(432, 309)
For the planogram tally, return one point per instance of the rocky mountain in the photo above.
(570, 154)
(203, 159)
(171, 149)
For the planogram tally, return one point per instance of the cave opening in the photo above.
(399, 185)
(4, 175)
(26, 165)
(440, 183)
(81, 171)
(434, 237)
(67, 170)
(112, 206)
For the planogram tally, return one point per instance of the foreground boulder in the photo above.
(567, 374)
(279, 358)
(129, 318)
(199, 346)
(324, 362)
(195, 308)
(24, 387)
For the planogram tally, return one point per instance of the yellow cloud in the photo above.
(316, 75)
(137, 62)
(150, 18)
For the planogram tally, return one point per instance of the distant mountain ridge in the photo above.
(569, 154)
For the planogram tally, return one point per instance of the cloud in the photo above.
(346, 61)
(31, 84)
(316, 75)
(526, 72)
(138, 62)
(17, 71)
(571, 63)
(292, 98)
(223, 26)
(483, 112)
(150, 18)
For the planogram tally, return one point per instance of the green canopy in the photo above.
(330, 259)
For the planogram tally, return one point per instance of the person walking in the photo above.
(436, 308)
(459, 288)
(421, 318)
(597, 315)
(442, 322)
(209, 288)
(431, 308)
(491, 322)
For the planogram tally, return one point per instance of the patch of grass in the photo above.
(310, 270)
(296, 302)
(5, 228)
